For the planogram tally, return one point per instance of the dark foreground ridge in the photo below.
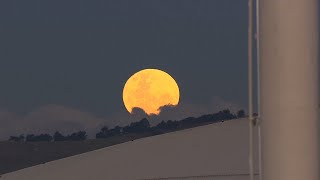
(15, 155)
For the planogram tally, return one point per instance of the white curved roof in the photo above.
(215, 151)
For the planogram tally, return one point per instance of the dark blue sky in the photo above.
(79, 54)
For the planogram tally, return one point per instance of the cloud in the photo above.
(51, 118)
(218, 103)
(48, 119)
(184, 110)
(9, 122)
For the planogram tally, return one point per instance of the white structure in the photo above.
(289, 89)
(217, 151)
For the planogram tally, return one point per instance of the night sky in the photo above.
(64, 63)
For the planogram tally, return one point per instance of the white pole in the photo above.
(258, 89)
(250, 85)
(289, 89)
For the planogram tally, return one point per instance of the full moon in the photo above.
(150, 89)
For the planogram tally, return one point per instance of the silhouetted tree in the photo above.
(36, 138)
(115, 131)
(77, 136)
(57, 136)
(137, 127)
(104, 129)
(103, 133)
(100, 135)
(164, 126)
(241, 114)
(171, 125)
(227, 115)
(44, 137)
(17, 138)
(143, 126)
(30, 138)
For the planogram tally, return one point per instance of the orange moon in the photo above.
(150, 89)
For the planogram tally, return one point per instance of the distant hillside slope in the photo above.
(19, 155)
(15, 156)
(216, 151)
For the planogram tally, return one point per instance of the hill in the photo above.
(215, 151)
(19, 155)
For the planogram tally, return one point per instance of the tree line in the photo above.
(57, 136)
(141, 127)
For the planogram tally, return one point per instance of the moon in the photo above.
(150, 89)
